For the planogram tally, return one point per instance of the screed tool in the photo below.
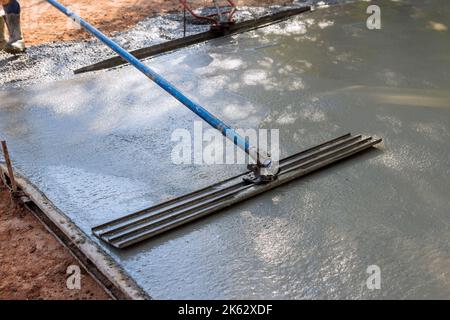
(264, 175)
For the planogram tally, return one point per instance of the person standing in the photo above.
(10, 15)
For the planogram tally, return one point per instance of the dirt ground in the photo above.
(33, 263)
(41, 23)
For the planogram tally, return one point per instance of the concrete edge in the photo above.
(98, 263)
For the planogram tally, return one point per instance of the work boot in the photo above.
(15, 43)
(2, 30)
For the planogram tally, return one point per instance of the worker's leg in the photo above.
(12, 18)
(2, 29)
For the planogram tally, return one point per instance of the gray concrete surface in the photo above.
(99, 147)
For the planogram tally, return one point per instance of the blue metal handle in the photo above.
(225, 129)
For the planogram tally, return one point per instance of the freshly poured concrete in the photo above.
(99, 147)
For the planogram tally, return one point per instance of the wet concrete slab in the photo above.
(99, 146)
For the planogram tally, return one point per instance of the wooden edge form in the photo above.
(117, 283)
(169, 46)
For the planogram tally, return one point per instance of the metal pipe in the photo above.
(184, 22)
(9, 166)
(260, 156)
(219, 13)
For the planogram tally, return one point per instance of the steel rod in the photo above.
(9, 166)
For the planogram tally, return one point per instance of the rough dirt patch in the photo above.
(42, 23)
(33, 263)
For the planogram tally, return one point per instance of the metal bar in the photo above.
(194, 39)
(137, 227)
(258, 155)
(219, 12)
(184, 22)
(9, 166)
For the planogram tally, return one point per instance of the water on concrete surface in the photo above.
(99, 147)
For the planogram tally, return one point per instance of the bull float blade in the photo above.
(148, 223)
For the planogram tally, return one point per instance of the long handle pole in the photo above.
(260, 157)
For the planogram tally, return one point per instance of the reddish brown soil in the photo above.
(33, 263)
(42, 23)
